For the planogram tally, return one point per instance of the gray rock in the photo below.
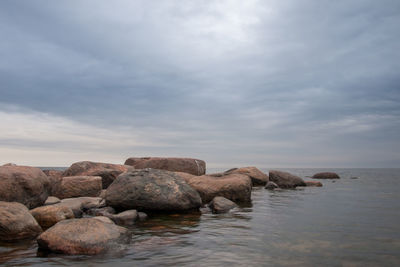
(221, 205)
(271, 186)
(52, 200)
(151, 189)
(285, 179)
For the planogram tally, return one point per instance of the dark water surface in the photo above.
(347, 222)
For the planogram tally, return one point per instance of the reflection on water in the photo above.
(352, 222)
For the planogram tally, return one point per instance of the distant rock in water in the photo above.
(221, 205)
(86, 236)
(353, 177)
(313, 183)
(153, 190)
(108, 172)
(188, 165)
(16, 223)
(285, 179)
(26, 185)
(271, 186)
(326, 175)
(258, 178)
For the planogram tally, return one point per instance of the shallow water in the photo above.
(347, 222)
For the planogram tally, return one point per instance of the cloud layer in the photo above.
(294, 84)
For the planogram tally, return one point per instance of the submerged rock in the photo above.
(285, 179)
(127, 217)
(86, 236)
(236, 187)
(326, 175)
(313, 183)
(48, 216)
(221, 205)
(188, 165)
(26, 185)
(16, 223)
(108, 172)
(151, 189)
(271, 186)
(258, 178)
(79, 186)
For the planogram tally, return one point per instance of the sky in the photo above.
(294, 83)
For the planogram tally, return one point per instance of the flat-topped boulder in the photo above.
(153, 190)
(221, 205)
(188, 165)
(235, 187)
(285, 180)
(79, 186)
(86, 236)
(326, 175)
(16, 223)
(258, 178)
(107, 171)
(47, 216)
(26, 185)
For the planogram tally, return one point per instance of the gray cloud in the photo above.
(299, 83)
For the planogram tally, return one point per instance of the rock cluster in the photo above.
(83, 210)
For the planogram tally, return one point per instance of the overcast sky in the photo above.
(294, 83)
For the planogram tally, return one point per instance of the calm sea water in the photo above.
(347, 222)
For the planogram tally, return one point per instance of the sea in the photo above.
(352, 221)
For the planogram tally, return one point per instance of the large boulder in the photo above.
(258, 178)
(108, 172)
(285, 179)
(26, 185)
(79, 186)
(221, 205)
(326, 175)
(86, 236)
(150, 189)
(235, 187)
(188, 165)
(47, 216)
(16, 223)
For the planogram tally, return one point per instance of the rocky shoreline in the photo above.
(86, 209)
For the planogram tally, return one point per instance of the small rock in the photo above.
(47, 216)
(313, 183)
(52, 200)
(221, 205)
(86, 236)
(16, 223)
(271, 186)
(142, 216)
(353, 177)
(106, 211)
(80, 204)
(127, 217)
